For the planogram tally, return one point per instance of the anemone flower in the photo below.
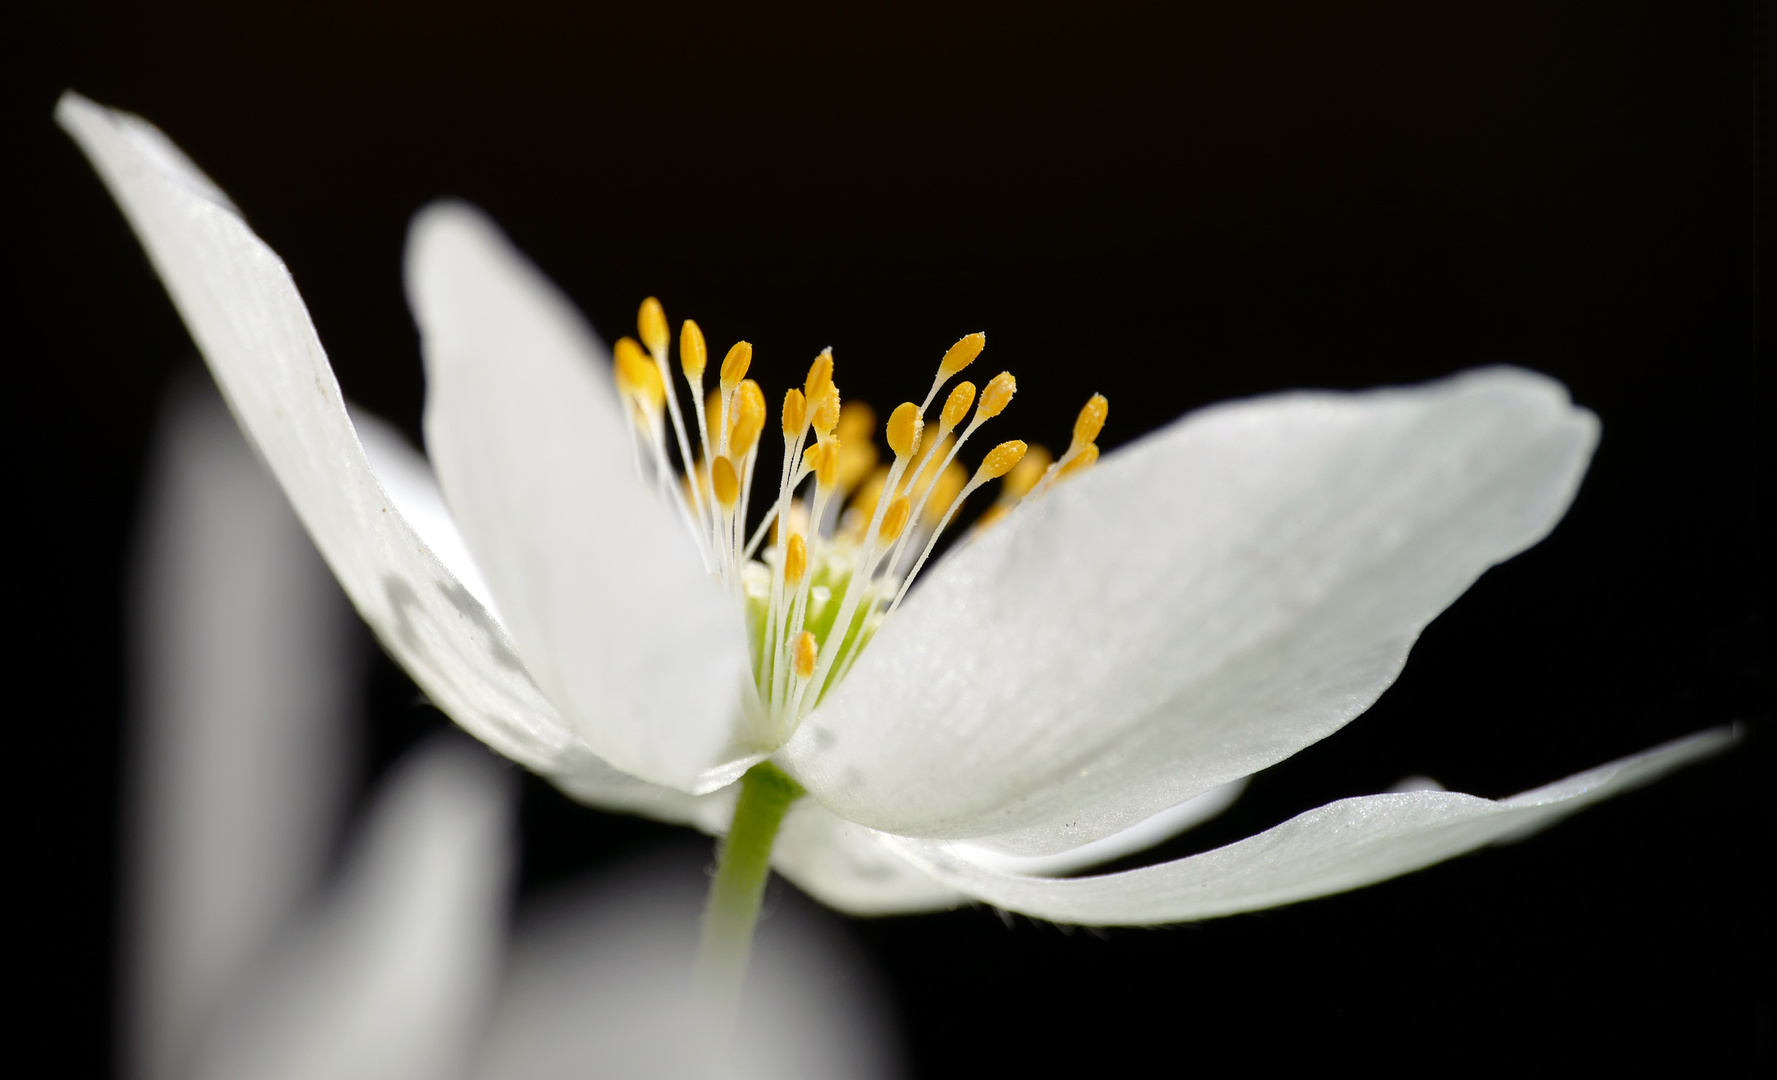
(246, 960)
(1077, 681)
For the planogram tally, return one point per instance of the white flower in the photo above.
(1204, 603)
(245, 963)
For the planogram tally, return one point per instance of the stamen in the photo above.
(1080, 462)
(997, 396)
(998, 462)
(694, 353)
(1091, 420)
(805, 656)
(904, 429)
(795, 559)
(651, 324)
(1086, 428)
(735, 365)
(795, 413)
(895, 520)
(725, 483)
(957, 405)
(749, 418)
(957, 357)
(826, 470)
(1016, 485)
(820, 374)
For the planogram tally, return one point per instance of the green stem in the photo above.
(743, 860)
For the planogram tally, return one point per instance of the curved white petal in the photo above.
(392, 978)
(598, 580)
(600, 985)
(244, 313)
(1204, 603)
(1340, 846)
(247, 662)
(1163, 826)
(851, 868)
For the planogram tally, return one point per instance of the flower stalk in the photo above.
(743, 860)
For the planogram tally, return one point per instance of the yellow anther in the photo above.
(1026, 473)
(820, 374)
(1000, 460)
(857, 456)
(823, 413)
(857, 422)
(904, 429)
(725, 483)
(795, 412)
(962, 354)
(1091, 420)
(806, 655)
(811, 457)
(826, 471)
(651, 326)
(956, 406)
(694, 355)
(996, 396)
(1080, 462)
(895, 519)
(795, 560)
(735, 364)
(637, 376)
(950, 484)
(749, 418)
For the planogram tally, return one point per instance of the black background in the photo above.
(1171, 205)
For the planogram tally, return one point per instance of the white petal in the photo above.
(393, 977)
(1204, 603)
(1340, 846)
(599, 581)
(243, 311)
(1161, 827)
(851, 868)
(600, 984)
(247, 665)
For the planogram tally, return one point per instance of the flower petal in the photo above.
(394, 975)
(1204, 603)
(248, 662)
(851, 868)
(1341, 846)
(243, 311)
(600, 583)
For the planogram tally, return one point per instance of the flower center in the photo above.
(847, 531)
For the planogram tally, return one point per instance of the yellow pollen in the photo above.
(651, 326)
(949, 485)
(736, 363)
(637, 376)
(1085, 459)
(820, 374)
(824, 414)
(904, 429)
(962, 354)
(895, 520)
(856, 421)
(749, 418)
(956, 406)
(795, 559)
(997, 396)
(806, 655)
(694, 355)
(826, 470)
(727, 486)
(1001, 460)
(795, 412)
(1091, 419)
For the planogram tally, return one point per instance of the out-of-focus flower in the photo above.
(1066, 688)
(244, 965)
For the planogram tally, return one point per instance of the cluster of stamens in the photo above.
(841, 552)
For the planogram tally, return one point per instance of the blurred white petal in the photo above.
(247, 662)
(1340, 846)
(1204, 603)
(854, 869)
(391, 978)
(599, 985)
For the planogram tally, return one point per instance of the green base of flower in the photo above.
(743, 861)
